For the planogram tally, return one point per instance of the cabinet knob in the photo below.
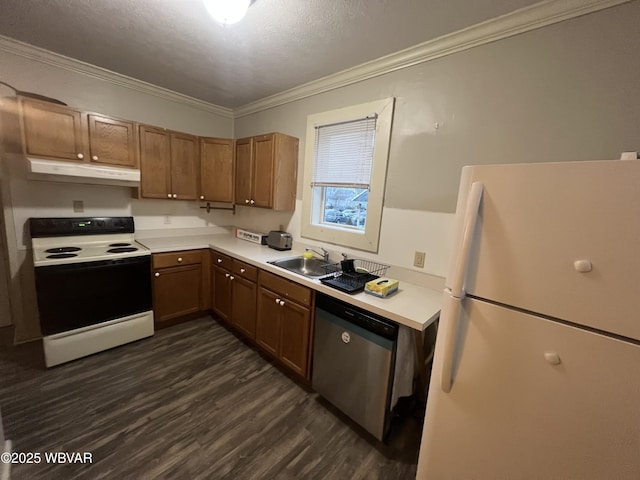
(95, 157)
(219, 260)
(80, 156)
(278, 301)
(179, 259)
(252, 202)
(242, 270)
(246, 201)
(175, 195)
(231, 277)
(156, 274)
(282, 303)
(227, 275)
(169, 195)
(201, 197)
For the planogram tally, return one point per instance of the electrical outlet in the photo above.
(418, 259)
(167, 219)
(78, 206)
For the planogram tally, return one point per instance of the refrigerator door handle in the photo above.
(449, 316)
(471, 213)
(453, 298)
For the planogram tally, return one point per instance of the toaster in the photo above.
(279, 240)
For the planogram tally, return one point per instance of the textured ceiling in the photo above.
(280, 44)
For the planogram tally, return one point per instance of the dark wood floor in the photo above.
(191, 402)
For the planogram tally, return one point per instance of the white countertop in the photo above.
(414, 306)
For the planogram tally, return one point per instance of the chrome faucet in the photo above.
(324, 254)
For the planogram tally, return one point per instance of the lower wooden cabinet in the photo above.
(244, 290)
(269, 321)
(180, 280)
(221, 286)
(271, 311)
(284, 322)
(234, 292)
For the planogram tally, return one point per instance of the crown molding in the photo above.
(519, 21)
(41, 55)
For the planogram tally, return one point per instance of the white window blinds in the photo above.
(344, 153)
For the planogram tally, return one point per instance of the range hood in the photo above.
(58, 171)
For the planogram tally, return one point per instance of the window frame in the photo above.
(312, 226)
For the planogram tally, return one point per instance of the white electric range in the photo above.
(93, 284)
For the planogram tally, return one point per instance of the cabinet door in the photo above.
(112, 142)
(243, 311)
(53, 131)
(216, 169)
(294, 337)
(176, 292)
(268, 321)
(221, 287)
(155, 174)
(185, 169)
(263, 168)
(244, 171)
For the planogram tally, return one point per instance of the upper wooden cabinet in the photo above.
(112, 141)
(62, 133)
(216, 169)
(266, 171)
(169, 164)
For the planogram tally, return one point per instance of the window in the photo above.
(345, 169)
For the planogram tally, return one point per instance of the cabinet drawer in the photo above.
(286, 288)
(220, 260)
(172, 259)
(245, 270)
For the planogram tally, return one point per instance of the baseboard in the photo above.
(7, 335)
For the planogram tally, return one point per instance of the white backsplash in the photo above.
(403, 231)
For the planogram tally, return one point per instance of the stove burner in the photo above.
(62, 255)
(122, 250)
(62, 250)
(119, 244)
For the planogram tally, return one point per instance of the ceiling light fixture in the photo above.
(227, 11)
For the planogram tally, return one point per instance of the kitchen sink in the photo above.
(309, 267)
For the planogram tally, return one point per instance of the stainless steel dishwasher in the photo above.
(353, 362)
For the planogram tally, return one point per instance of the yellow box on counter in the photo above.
(381, 287)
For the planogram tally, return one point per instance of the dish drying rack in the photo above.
(352, 282)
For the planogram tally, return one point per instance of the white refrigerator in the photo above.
(536, 373)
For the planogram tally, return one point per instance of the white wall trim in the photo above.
(76, 66)
(520, 21)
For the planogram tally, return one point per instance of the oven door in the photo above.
(76, 295)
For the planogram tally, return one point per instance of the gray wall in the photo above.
(565, 92)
